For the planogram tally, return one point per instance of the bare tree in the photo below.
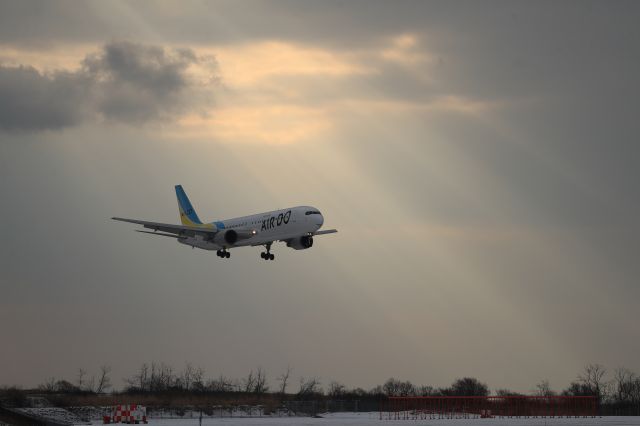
(81, 375)
(187, 376)
(336, 390)
(160, 377)
(377, 391)
(309, 387)
(284, 380)
(90, 384)
(255, 382)
(221, 384)
(468, 386)
(577, 389)
(544, 389)
(395, 387)
(153, 377)
(49, 385)
(167, 378)
(249, 382)
(635, 392)
(407, 389)
(104, 381)
(143, 377)
(391, 387)
(425, 390)
(592, 377)
(198, 379)
(626, 386)
(260, 384)
(142, 380)
(64, 386)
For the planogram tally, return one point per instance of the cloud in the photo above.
(30, 100)
(124, 82)
(265, 124)
(250, 64)
(137, 83)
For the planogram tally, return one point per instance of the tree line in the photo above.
(617, 391)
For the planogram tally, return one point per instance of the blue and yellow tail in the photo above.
(188, 215)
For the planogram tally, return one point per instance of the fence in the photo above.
(313, 407)
(451, 407)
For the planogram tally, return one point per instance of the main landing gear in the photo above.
(267, 255)
(223, 253)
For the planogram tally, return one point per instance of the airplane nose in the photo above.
(320, 220)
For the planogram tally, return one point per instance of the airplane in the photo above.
(296, 226)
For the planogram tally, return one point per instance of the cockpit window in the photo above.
(311, 212)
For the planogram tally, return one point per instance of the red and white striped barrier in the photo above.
(129, 414)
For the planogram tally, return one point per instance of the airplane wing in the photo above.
(161, 234)
(178, 230)
(326, 231)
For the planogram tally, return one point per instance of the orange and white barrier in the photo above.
(129, 414)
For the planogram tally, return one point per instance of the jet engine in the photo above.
(300, 243)
(226, 238)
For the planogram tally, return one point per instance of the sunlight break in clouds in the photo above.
(405, 49)
(54, 58)
(255, 76)
(250, 64)
(440, 104)
(277, 124)
(261, 89)
(264, 100)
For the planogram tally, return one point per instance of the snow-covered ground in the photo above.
(56, 414)
(362, 419)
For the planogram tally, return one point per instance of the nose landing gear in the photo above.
(267, 255)
(223, 253)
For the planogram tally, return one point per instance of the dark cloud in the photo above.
(124, 82)
(137, 82)
(30, 100)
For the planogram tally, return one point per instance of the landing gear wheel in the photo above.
(267, 255)
(227, 254)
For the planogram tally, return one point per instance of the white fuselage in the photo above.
(277, 225)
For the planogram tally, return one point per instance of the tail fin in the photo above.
(188, 215)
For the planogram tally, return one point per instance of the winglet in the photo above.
(188, 215)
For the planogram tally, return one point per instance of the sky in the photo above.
(479, 159)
